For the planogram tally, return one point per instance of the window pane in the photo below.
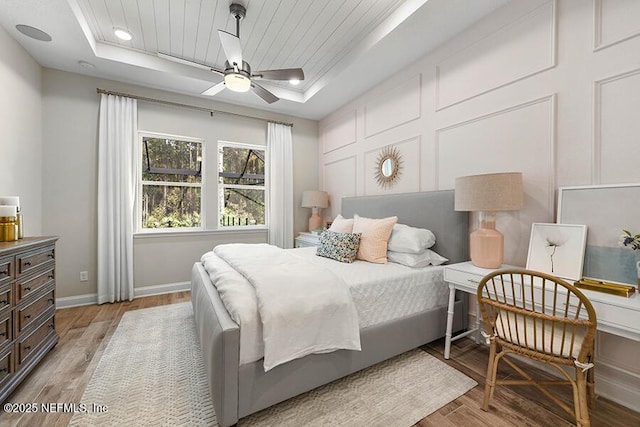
(170, 206)
(171, 160)
(243, 166)
(242, 207)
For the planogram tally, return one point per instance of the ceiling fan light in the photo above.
(294, 82)
(237, 82)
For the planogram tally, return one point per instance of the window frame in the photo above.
(141, 183)
(220, 186)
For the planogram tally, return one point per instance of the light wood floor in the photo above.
(85, 331)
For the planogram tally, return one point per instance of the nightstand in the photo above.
(463, 276)
(305, 239)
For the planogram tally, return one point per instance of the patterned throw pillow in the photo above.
(342, 247)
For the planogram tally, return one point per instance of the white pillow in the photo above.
(428, 257)
(341, 225)
(410, 240)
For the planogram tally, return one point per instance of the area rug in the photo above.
(152, 374)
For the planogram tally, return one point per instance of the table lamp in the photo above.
(315, 199)
(488, 194)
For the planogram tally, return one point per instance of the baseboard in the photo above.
(90, 299)
(77, 301)
(168, 288)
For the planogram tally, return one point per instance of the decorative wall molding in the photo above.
(517, 63)
(597, 143)
(167, 288)
(339, 132)
(599, 39)
(402, 104)
(340, 178)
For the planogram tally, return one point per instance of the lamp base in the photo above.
(487, 248)
(315, 222)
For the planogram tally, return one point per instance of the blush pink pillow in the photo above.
(341, 225)
(374, 239)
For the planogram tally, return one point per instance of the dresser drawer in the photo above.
(26, 286)
(6, 270)
(28, 314)
(6, 365)
(29, 344)
(5, 328)
(32, 260)
(6, 297)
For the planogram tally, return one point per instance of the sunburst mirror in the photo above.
(388, 166)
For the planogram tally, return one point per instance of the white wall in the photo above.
(161, 263)
(551, 89)
(21, 124)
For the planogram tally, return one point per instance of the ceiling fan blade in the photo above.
(232, 48)
(213, 90)
(283, 74)
(263, 93)
(190, 63)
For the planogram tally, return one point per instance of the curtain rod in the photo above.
(190, 107)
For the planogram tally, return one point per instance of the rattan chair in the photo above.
(546, 319)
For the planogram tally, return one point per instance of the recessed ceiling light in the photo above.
(33, 32)
(294, 82)
(87, 65)
(122, 34)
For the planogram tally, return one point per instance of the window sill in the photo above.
(186, 233)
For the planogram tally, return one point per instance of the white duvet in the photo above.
(304, 308)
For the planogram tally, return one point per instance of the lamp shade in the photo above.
(315, 199)
(490, 192)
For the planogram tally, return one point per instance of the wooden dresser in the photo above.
(27, 307)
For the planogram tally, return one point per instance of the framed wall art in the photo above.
(557, 249)
(607, 210)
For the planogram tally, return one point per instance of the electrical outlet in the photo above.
(84, 276)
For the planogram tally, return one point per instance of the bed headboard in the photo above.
(430, 209)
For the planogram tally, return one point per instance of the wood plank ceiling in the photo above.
(311, 34)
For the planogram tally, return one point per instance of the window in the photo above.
(171, 182)
(241, 184)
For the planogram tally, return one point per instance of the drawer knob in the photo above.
(4, 272)
(51, 300)
(27, 316)
(51, 255)
(27, 263)
(3, 334)
(28, 288)
(27, 347)
(51, 276)
(4, 370)
(52, 326)
(4, 301)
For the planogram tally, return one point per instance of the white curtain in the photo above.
(117, 168)
(279, 145)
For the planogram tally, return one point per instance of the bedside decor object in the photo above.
(488, 194)
(388, 166)
(632, 241)
(557, 249)
(606, 287)
(8, 225)
(14, 201)
(316, 200)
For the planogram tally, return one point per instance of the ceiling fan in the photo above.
(237, 73)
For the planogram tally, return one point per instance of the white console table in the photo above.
(616, 315)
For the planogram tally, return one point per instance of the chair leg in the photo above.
(580, 401)
(591, 385)
(490, 382)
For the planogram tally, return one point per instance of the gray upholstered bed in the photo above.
(239, 390)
